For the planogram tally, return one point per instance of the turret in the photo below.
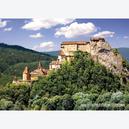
(39, 66)
(26, 74)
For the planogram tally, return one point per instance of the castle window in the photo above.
(77, 47)
(62, 46)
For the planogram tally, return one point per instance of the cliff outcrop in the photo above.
(102, 52)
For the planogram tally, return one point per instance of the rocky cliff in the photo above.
(102, 52)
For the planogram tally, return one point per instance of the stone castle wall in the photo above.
(69, 49)
(84, 48)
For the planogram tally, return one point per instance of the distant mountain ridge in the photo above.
(17, 47)
(124, 52)
(13, 54)
(53, 53)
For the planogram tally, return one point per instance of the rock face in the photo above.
(102, 52)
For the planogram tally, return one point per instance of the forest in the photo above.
(80, 84)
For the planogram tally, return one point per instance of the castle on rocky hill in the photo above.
(98, 48)
(100, 51)
(69, 47)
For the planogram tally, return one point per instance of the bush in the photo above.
(126, 99)
(127, 107)
(118, 106)
(85, 107)
(6, 104)
(117, 97)
(83, 100)
(104, 98)
(67, 102)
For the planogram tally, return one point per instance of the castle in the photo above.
(69, 47)
(97, 47)
(100, 52)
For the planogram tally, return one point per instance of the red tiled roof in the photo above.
(39, 72)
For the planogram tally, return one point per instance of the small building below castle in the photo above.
(40, 71)
(28, 77)
(54, 65)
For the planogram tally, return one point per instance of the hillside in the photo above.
(13, 59)
(124, 52)
(10, 55)
(53, 53)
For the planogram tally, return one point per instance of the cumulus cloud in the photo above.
(126, 37)
(3, 23)
(8, 29)
(76, 29)
(104, 34)
(39, 23)
(44, 46)
(35, 36)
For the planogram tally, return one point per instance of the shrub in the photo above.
(105, 106)
(6, 104)
(118, 106)
(104, 98)
(126, 99)
(117, 97)
(127, 107)
(84, 107)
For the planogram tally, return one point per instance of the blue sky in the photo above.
(47, 34)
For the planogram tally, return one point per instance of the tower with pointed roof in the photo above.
(26, 74)
(40, 71)
(39, 65)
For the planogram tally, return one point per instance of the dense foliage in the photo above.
(79, 85)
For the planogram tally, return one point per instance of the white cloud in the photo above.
(35, 36)
(8, 29)
(44, 46)
(39, 23)
(104, 34)
(126, 37)
(76, 29)
(3, 23)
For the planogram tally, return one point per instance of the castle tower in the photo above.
(26, 74)
(39, 66)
